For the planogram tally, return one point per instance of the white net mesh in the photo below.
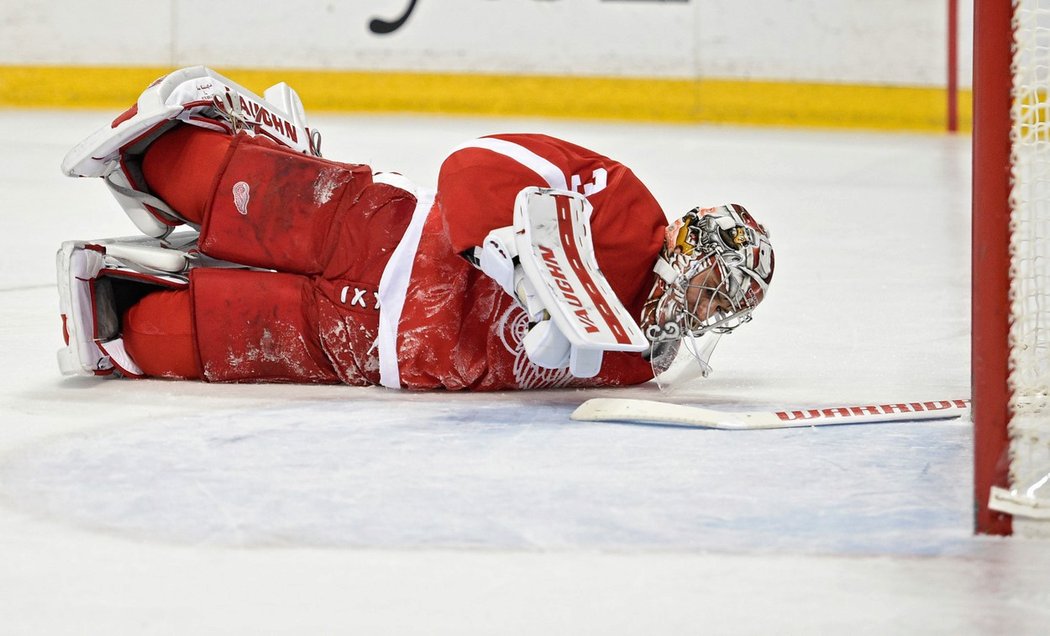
(1030, 251)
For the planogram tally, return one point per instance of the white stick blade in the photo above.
(628, 410)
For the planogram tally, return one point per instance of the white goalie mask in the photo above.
(714, 269)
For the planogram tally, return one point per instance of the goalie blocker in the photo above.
(546, 260)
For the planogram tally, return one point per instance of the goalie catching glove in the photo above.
(546, 261)
(197, 96)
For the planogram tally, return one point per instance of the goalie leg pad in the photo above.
(276, 209)
(256, 326)
(196, 96)
(181, 168)
(97, 283)
(158, 335)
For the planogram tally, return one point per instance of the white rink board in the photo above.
(897, 42)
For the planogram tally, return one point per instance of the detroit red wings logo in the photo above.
(512, 327)
(241, 195)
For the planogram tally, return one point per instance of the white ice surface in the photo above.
(165, 507)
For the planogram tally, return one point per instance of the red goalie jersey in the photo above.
(458, 328)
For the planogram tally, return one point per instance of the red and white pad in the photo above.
(89, 317)
(552, 236)
(198, 96)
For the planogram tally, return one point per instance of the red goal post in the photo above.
(1011, 253)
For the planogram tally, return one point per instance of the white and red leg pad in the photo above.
(255, 326)
(276, 209)
(96, 282)
(197, 96)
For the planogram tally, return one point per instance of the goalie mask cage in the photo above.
(1011, 255)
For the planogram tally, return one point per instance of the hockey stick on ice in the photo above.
(649, 411)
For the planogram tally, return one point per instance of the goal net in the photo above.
(1011, 260)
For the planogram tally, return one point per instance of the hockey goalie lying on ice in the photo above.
(536, 263)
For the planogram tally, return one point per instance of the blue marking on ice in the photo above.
(361, 473)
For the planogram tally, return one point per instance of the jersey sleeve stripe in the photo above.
(549, 172)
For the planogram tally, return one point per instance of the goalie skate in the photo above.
(196, 96)
(97, 282)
